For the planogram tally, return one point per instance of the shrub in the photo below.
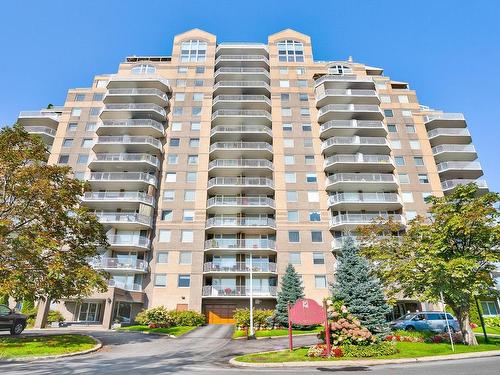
(398, 338)
(261, 318)
(320, 350)
(55, 316)
(160, 317)
(492, 321)
(380, 349)
(142, 318)
(187, 318)
(445, 338)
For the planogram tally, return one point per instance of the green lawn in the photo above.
(34, 346)
(278, 332)
(175, 331)
(492, 330)
(406, 350)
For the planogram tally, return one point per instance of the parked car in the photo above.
(11, 320)
(434, 321)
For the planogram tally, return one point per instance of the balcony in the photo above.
(117, 180)
(130, 287)
(126, 143)
(352, 127)
(142, 127)
(242, 60)
(134, 95)
(242, 88)
(369, 145)
(241, 117)
(364, 201)
(239, 267)
(349, 112)
(231, 167)
(125, 220)
(239, 291)
(346, 81)
(441, 136)
(454, 153)
(45, 132)
(343, 96)
(227, 204)
(449, 185)
(238, 223)
(245, 246)
(240, 185)
(236, 73)
(124, 161)
(124, 242)
(252, 102)
(145, 81)
(133, 110)
(257, 133)
(115, 199)
(235, 150)
(350, 221)
(459, 170)
(369, 182)
(127, 266)
(38, 118)
(359, 163)
(445, 120)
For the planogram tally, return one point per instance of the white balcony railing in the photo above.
(39, 114)
(120, 264)
(240, 163)
(348, 92)
(237, 221)
(238, 291)
(135, 107)
(241, 113)
(40, 130)
(342, 78)
(451, 184)
(127, 240)
(139, 78)
(445, 116)
(459, 165)
(132, 123)
(448, 132)
(241, 84)
(123, 176)
(225, 200)
(359, 158)
(241, 181)
(363, 198)
(453, 148)
(126, 157)
(118, 196)
(348, 108)
(354, 124)
(354, 218)
(246, 244)
(360, 177)
(123, 217)
(239, 70)
(237, 129)
(137, 92)
(127, 139)
(241, 146)
(377, 141)
(242, 58)
(239, 267)
(132, 287)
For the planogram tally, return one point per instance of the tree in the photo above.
(359, 290)
(46, 237)
(453, 252)
(291, 291)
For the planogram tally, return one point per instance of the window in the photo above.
(167, 215)
(76, 112)
(72, 126)
(193, 50)
(287, 142)
(406, 113)
(176, 126)
(419, 160)
(90, 126)
(311, 177)
(182, 69)
(191, 176)
(380, 85)
(94, 111)
(63, 159)
(79, 97)
(403, 99)
(339, 69)
(415, 145)
(293, 216)
(314, 216)
(291, 196)
(198, 82)
(187, 236)
(308, 142)
(400, 160)
(294, 258)
(67, 142)
(291, 51)
(172, 159)
(161, 279)
(290, 177)
(169, 195)
(184, 281)
(388, 113)
(174, 142)
(385, 98)
(289, 159)
(195, 126)
(162, 257)
(489, 308)
(404, 178)
(304, 111)
(283, 70)
(313, 196)
(396, 144)
(177, 111)
(185, 257)
(198, 96)
(97, 97)
(200, 70)
(301, 83)
(82, 159)
(410, 128)
(188, 215)
(170, 177)
(287, 127)
(300, 71)
(407, 197)
(286, 111)
(316, 236)
(318, 258)
(180, 96)
(320, 281)
(303, 97)
(285, 97)
(180, 83)
(194, 142)
(284, 83)
(143, 69)
(189, 195)
(309, 159)
(87, 142)
(165, 235)
(293, 236)
(306, 127)
(410, 215)
(392, 128)
(422, 178)
(192, 159)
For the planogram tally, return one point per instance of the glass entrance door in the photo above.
(89, 312)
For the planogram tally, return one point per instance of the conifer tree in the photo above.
(291, 291)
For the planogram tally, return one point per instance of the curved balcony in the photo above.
(139, 81)
(449, 185)
(143, 127)
(365, 201)
(238, 223)
(117, 180)
(346, 96)
(240, 185)
(127, 266)
(441, 136)
(237, 73)
(232, 246)
(352, 127)
(359, 163)
(345, 81)
(370, 145)
(125, 220)
(350, 221)
(452, 170)
(45, 132)
(38, 118)
(350, 111)
(131, 287)
(454, 153)
(126, 143)
(239, 60)
(123, 161)
(250, 102)
(369, 182)
(135, 95)
(133, 110)
(242, 88)
(235, 150)
(114, 199)
(445, 120)
(241, 117)
(227, 204)
(256, 133)
(239, 267)
(123, 242)
(238, 292)
(231, 167)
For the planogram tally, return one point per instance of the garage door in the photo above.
(220, 314)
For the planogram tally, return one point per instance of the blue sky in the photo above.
(448, 51)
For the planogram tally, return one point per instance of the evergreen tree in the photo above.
(291, 291)
(359, 290)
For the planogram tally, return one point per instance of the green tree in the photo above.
(46, 237)
(453, 252)
(359, 289)
(291, 291)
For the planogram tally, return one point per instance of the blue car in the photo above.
(426, 321)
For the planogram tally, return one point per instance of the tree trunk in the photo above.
(464, 322)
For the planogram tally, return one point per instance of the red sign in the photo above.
(306, 312)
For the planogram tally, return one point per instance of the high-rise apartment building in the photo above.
(214, 168)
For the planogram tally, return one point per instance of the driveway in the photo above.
(206, 350)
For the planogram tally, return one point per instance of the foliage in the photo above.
(291, 290)
(453, 252)
(160, 317)
(29, 309)
(187, 318)
(401, 335)
(492, 321)
(46, 237)
(142, 318)
(444, 337)
(55, 316)
(261, 318)
(4, 299)
(380, 349)
(320, 350)
(359, 290)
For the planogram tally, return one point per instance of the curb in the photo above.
(96, 347)
(368, 362)
(277, 337)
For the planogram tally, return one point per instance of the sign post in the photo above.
(306, 312)
(290, 340)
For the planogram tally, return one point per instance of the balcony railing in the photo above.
(40, 129)
(228, 221)
(139, 77)
(127, 240)
(242, 58)
(348, 92)
(131, 123)
(351, 218)
(354, 141)
(127, 139)
(445, 116)
(123, 176)
(355, 124)
(241, 129)
(237, 70)
(39, 114)
(135, 107)
(126, 157)
(118, 196)
(240, 201)
(241, 146)
(239, 267)
(132, 287)
(120, 264)
(241, 113)
(348, 108)
(448, 132)
(247, 244)
(342, 78)
(240, 163)
(453, 148)
(238, 84)
(368, 159)
(360, 177)
(241, 181)
(451, 184)
(123, 217)
(238, 291)
(461, 165)
(138, 92)
(363, 198)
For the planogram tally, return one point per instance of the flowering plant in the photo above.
(320, 350)
(400, 338)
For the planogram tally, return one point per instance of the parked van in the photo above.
(426, 321)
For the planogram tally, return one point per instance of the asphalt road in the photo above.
(207, 350)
